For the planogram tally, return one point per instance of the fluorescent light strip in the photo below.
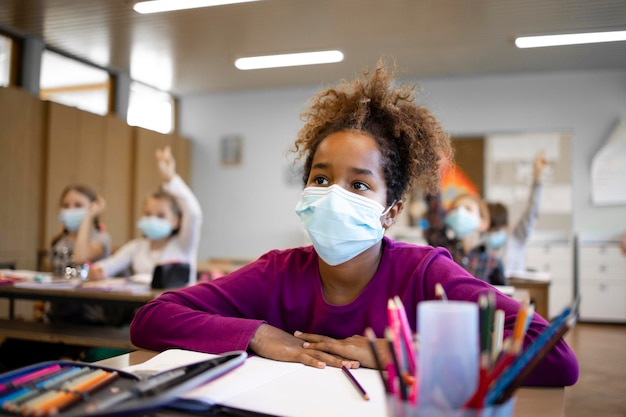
(288, 60)
(569, 39)
(158, 6)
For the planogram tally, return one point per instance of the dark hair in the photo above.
(87, 192)
(161, 194)
(499, 215)
(412, 143)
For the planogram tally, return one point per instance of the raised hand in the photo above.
(97, 206)
(539, 165)
(166, 163)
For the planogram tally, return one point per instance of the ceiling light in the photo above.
(569, 39)
(158, 6)
(289, 60)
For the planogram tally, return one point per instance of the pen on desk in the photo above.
(356, 384)
(440, 293)
(371, 337)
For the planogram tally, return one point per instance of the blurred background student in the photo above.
(170, 226)
(82, 240)
(510, 246)
(460, 231)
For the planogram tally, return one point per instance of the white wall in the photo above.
(249, 208)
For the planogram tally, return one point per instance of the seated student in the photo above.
(82, 241)
(460, 231)
(171, 227)
(365, 145)
(513, 245)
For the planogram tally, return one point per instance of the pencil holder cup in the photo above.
(448, 357)
(400, 408)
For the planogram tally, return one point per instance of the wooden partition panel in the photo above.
(21, 176)
(118, 180)
(93, 150)
(75, 156)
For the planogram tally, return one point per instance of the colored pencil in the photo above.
(62, 402)
(406, 334)
(519, 380)
(407, 339)
(22, 379)
(371, 337)
(498, 334)
(535, 348)
(396, 366)
(440, 293)
(356, 384)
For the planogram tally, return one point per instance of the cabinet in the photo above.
(554, 254)
(602, 279)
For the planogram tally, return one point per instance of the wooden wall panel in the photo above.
(46, 146)
(118, 184)
(182, 153)
(21, 176)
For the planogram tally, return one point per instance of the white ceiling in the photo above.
(193, 51)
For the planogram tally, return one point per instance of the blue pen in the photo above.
(502, 383)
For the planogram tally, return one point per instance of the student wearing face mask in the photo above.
(83, 238)
(82, 241)
(511, 247)
(461, 231)
(366, 146)
(170, 225)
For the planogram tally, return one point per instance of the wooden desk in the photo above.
(85, 335)
(530, 402)
(538, 292)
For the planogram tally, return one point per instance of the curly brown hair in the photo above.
(412, 143)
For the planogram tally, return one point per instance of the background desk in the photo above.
(84, 335)
(538, 292)
(530, 402)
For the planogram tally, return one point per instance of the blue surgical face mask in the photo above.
(72, 218)
(154, 228)
(462, 222)
(495, 240)
(341, 224)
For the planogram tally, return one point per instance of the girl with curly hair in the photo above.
(365, 145)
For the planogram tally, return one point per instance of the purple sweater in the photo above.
(283, 288)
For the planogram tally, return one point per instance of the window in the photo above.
(150, 108)
(5, 60)
(73, 83)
